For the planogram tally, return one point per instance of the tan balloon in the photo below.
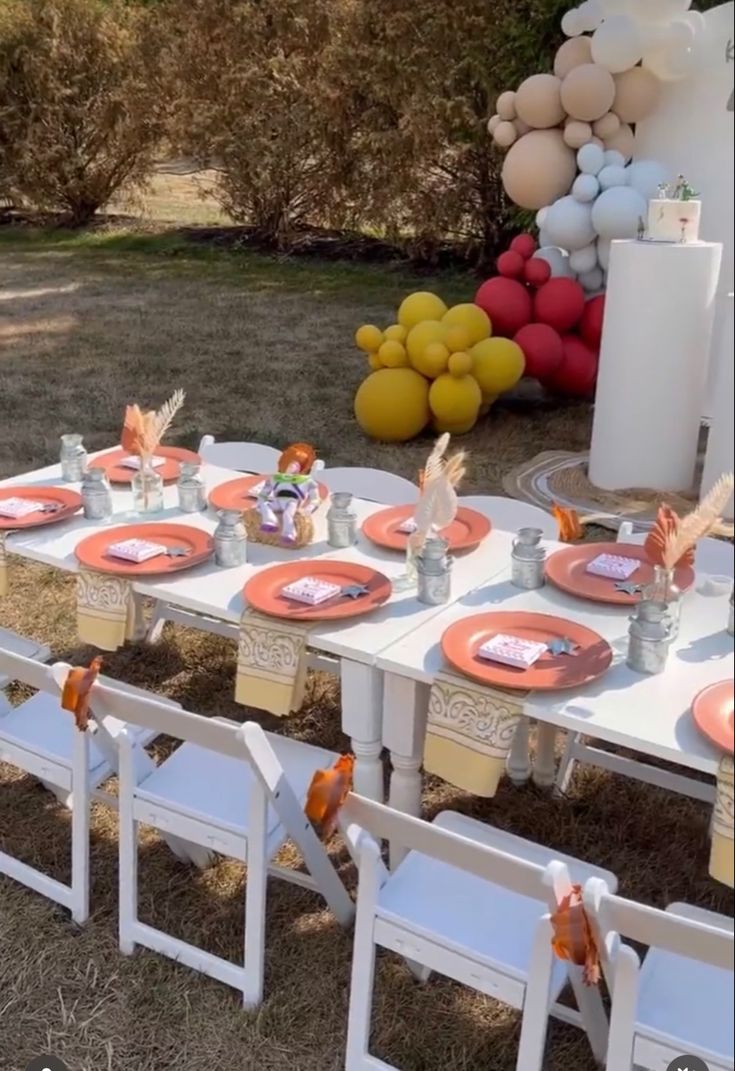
(597, 141)
(505, 134)
(539, 169)
(576, 133)
(521, 127)
(506, 105)
(492, 123)
(573, 53)
(587, 92)
(607, 126)
(538, 101)
(637, 93)
(623, 141)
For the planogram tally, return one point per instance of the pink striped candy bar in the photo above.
(131, 461)
(512, 651)
(613, 566)
(19, 507)
(310, 590)
(135, 550)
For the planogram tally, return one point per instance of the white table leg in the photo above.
(140, 627)
(362, 717)
(519, 764)
(405, 707)
(544, 767)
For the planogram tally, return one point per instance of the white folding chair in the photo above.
(509, 514)
(680, 999)
(472, 903)
(16, 644)
(374, 485)
(41, 739)
(230, 789)
(240, 456)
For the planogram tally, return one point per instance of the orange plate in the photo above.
(117, 473)
(713, 713)
(92, 551)
(566, 570)
(68, 501)
(467, 530)
(263, 591)
(463, 639)
(235, 494)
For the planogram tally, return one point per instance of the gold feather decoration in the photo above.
(437, 505)
(697, 524)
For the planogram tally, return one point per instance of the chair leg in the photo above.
(128, 852)
(537, 1002)
(80, 858)
(357, 1056)
(592, 1011)
(255, 900)
(567, 763)
(158, 620)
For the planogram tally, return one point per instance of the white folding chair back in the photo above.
(230, 789)
(15, 644)
(374, 485)
(713, 556)
(472, 903)
(508, 514)
(240, 456)
(680, 999)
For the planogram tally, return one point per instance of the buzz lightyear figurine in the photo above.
(291, 490)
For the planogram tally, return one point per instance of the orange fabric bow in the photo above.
(75, 694)
(569, 523)
(327, 792)
(664, 530)
(573, 939)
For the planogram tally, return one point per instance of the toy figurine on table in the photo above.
(288, 498)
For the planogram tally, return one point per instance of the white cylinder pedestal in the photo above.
(719, 457)
(656, 340)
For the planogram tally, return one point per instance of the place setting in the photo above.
(32, 506)
(390, 528)
(317, 590)
(615, 573)
(145, 549)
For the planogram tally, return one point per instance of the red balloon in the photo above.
(543, 349)
(559, 303)
(590, 326)
(577, 373)
(536, 271)
(525, 244)
(507, 303)
(511, 264)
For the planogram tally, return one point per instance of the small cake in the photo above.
(19, 507)
(612, 566)
(135, 550)
(512, 651)
(673, 216)
(311, 591)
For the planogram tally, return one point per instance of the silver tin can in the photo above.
(434, 572)
(341, 521)
(73, 458)
(528, 559)
(96, 495)
(190, 486)
(731, 618)
(649, 637)
(663, 588)
(230, 539)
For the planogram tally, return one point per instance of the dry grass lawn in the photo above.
(264, 351)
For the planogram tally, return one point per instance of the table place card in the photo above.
(131, 461)
(310, 590)
(512, 651)
(136, 550)
(19, 507)
(613, 566)
(408, 527)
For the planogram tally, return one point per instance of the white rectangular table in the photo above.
(216, 592)
(647, 714)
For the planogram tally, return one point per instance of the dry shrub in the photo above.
(80, 108)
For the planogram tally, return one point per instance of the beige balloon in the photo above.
(521, 127)
(505, 134)
(597, 141)
(492, 123)
(587, 92)
(637, 93)
(506, 105)
(538, 101)
(607, 126)
(623, 141)
(576, 133)
(538, 169)
(573, 53)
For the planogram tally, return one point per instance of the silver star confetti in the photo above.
(563, 646)
(177, 552)
(354, 591)
(627, 587)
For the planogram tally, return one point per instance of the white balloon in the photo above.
(617, 44)
(670, 64)
(571, 24)
(557, 260)
(591, 159)
(590, 14)
(617, 7)
(618, 211)
(541, 216)
(646, 176)
(612, 175)
(591, 280)
(543, 238)
(661, 11)
(603, 253)
(613, 158)
(585, 188)
(582, 260)
(569, 224)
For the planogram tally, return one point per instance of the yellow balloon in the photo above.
(421, 336)
(392, 405)
(488, 400)
(499, 364)
(440, 427)
(455, 400)
(374, 361)
(393, 355)
(433, 360)
(472, 318)
(368, 338)
(458, 338)
(460, 364)
(395, 333)
(420, 306)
